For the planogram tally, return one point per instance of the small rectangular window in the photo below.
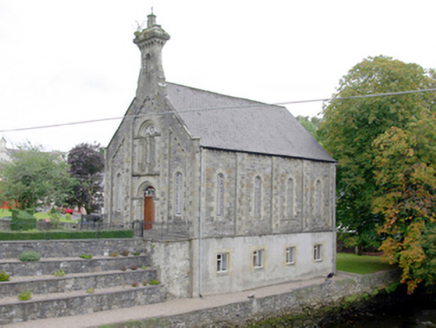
(258, 258)
(317, 252)
(222, 262)
(290, 253)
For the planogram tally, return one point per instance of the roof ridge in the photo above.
(224, 95)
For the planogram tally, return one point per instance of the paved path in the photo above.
(169, 308)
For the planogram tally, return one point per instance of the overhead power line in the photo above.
(219, 108)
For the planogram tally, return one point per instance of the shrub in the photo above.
(4, 276)
(154, 282)
(136, 253)
(25, 296)
(114, 254)
(86, 256)
(135, 284)
(23, 220)
(68, 217)
(144, 267)
(125, 253)
(59, 273)
(123, 268)
(30, 256)
(90, 290)
(145, 283)
(55, 218)
(134, 266)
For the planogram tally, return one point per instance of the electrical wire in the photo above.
(219, 108)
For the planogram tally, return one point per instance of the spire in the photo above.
(151, 41)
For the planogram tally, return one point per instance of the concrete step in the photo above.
(77, 302)
(47, 266)
(70, 282)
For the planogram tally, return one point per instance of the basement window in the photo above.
(317, 252)
(290, 255)
(258, 258)
(222, 262)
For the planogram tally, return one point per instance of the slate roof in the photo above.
(238, 124)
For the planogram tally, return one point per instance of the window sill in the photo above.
(222, 273)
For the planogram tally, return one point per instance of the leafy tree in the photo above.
(34, 177)
(86, 165)
(406, 173)
(350, 127)
(310, 125)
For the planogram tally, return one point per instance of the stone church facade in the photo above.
(233, 194)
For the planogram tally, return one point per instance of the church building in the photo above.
(233, 194)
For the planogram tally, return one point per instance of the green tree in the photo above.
(405, 174)
(350, 126)
(310, 125)
(34, 177)
(86, 165)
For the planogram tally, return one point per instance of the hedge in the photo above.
(23, 220)
(36, 235)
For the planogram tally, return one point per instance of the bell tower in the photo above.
(150, 42)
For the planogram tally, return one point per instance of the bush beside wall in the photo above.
(23, 220)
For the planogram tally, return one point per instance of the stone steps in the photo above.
(69, 247)
(78, 302)
(70, 294)
(70, 282)
(47, 266)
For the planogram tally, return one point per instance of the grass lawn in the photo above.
(360, 264)
(4, 213)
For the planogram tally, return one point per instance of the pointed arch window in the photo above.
(179, 194)
(257, 196)
(220, 195)
(118, 193)
(146, 148)
(290, 197)
(318, 199)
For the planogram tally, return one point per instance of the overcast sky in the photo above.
(70, 61)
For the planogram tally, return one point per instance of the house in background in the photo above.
(5, 153)
(234, 194)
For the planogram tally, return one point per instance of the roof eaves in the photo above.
(267, 154)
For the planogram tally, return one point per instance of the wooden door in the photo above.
(148, 209)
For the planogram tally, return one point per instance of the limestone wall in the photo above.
(293, 302)
(69, 248)
(172, 261)
(295, 195)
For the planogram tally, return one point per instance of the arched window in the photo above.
(118, 194)
(149, 145)
(318, 199)
(290, 196)
(150, 130)
(179, 193)
(257, 196)
(220, 195)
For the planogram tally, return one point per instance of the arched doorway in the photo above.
(149, 194)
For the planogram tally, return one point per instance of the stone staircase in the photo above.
(89, 285)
